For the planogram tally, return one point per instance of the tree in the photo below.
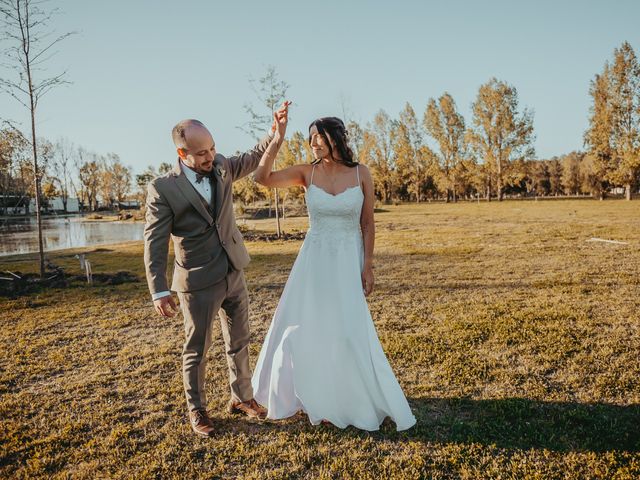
(500, 133)
(62, 163)
(555, 176)
(89, 174)
(164, 167)
(447, 127)
(293, 152)
(25, 24)
(381, 165)
(406, 140)
(142, 180)
(597, 138)
(14, 153)
(116, 179)
(571, 175)
(270, 91)
(625, 110)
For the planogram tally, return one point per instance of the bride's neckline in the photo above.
(333, 194)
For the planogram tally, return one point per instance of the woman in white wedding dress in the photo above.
(321, 354)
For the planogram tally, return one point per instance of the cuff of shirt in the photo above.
(156, 296)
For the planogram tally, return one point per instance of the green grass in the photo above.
(516, 341)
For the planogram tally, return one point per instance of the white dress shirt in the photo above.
(203, 188)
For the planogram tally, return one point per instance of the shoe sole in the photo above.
(235, 411)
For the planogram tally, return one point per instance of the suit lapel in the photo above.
(190, 194)
(218, 187)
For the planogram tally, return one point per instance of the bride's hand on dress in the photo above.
(367, 280)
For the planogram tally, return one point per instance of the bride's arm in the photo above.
(367, 226)
(288, 177)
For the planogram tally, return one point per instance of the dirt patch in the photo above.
(253, 236)
(16, 284)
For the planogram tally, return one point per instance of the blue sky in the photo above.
(138, 67)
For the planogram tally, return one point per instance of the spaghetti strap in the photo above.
(358, 173)
(313, 169)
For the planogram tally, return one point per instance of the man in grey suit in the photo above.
(193, 205)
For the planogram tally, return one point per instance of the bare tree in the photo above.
(31, 44)
(270, 91)
(62, 169)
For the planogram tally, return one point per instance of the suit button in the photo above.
(224, 243)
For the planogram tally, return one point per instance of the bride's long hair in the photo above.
(334, 128)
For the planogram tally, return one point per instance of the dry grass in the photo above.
(516, 341)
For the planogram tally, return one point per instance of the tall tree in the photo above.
(555, 176)
(443, 122)
(118, 177)
(270, 91)
(571, 176)
(89, 175)
(14, 152)
(408, 154)
(382, 155)
(625, 109)
(501, 134)
(62, 169)
(26, 30)
(598, 135)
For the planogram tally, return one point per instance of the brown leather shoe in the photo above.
(201, 423)
(250, 408)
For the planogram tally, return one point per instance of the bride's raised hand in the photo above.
(281, 119)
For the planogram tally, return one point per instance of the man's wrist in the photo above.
(156, 296)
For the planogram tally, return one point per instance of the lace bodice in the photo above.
(334, 216)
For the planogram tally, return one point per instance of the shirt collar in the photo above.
(190, 174)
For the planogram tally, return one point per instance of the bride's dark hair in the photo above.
(334, 128)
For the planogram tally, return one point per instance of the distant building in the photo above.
(128, 205)
(73, 205)
(54, 204)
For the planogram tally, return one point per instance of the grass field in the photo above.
(515, 339)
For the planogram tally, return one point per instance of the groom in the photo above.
(193, 205)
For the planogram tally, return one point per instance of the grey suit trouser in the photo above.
(228, 297)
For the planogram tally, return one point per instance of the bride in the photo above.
(321, 354)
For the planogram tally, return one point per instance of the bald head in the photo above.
(194, 144)
(185, 129)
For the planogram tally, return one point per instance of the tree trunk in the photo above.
(627, 191)
(277, 205)
(35, 170)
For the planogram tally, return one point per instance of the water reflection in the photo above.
(21, 235)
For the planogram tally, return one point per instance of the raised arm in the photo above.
(245, 163)
(288, 177)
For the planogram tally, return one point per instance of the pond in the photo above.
(20, 235)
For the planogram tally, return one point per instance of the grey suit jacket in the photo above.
(204, 241)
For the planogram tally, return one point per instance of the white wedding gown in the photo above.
(321, 354)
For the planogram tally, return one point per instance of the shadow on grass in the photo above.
(512, 423)
(523, 424)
